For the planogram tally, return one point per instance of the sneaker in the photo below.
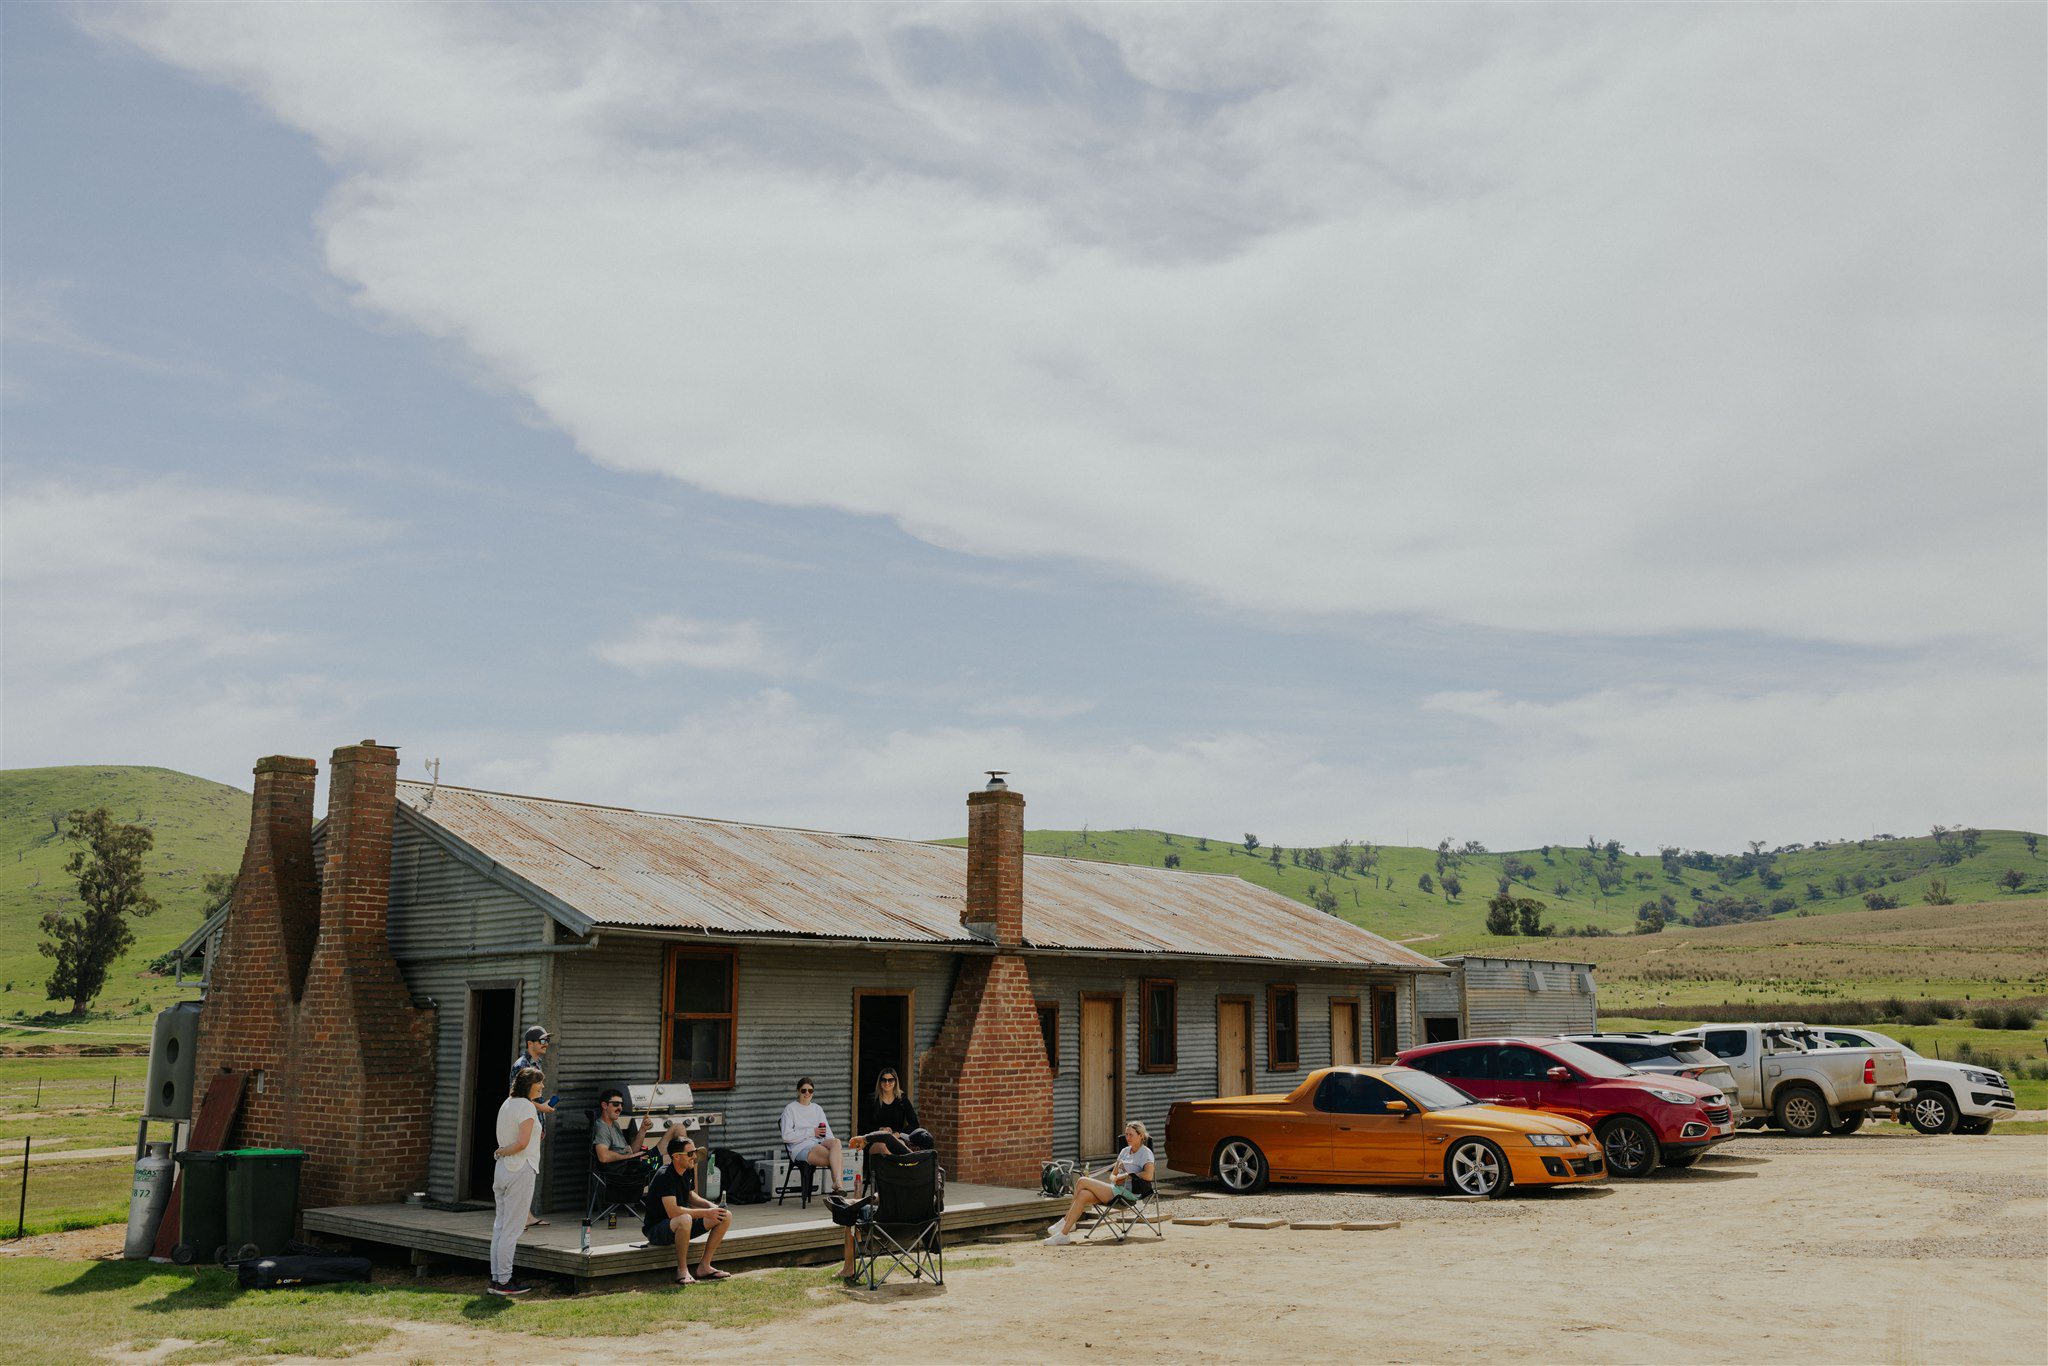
(1057, 1239)
(1055, 1226)
(509, 1288)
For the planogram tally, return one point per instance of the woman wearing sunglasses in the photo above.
(809, 1136)
(891, 1122)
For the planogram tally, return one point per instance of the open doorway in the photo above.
(881, 1038)
(1386, 1024)
(490, 1038)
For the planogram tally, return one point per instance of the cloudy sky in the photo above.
(1518, 423)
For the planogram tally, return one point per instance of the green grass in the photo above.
(200, 828)
(1393, 904)
(65, 1195)
(73, 1104)
(71, 1311)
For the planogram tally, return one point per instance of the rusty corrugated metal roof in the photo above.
(644, 870)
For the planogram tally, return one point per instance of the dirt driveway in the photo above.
(1867, 1248)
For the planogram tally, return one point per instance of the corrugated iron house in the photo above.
(1033, 1002)
(1486, 997)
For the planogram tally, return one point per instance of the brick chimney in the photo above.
(985, 1088)
(259, 962)
(362, 1058)
(995, 864)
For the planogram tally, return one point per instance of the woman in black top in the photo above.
(892, 1121)
(674, 1209)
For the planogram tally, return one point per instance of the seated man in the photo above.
(621, 1153)
(809, 1135)
(674, 1210)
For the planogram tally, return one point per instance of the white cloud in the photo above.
(1646, 766)
(145, 621)
(1573, 319)
(664, 642)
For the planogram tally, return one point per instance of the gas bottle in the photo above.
(146, 1200)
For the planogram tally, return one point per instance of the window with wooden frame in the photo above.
(1158, 1025)
(1283, 1030)
(700, 996)
(1049, 1030)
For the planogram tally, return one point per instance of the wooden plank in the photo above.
(217, 1110)
(1315, 1223)
(1200, 1220)
(1369, 1225)
(1259, 1222)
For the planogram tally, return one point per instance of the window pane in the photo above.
(1727, 1043)
(1159, 1023)
(1283, 1027)
(698, 1050)
(1049, 1030)
(703, 984)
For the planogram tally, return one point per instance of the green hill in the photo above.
(1389, 900)
(200, 828)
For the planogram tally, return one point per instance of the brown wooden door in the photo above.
(1386, 1024)
(1102, 1030)
(1233, 1047)
(1343, 1033)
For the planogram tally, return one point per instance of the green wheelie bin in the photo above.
(202, 1209)
(263, 1200)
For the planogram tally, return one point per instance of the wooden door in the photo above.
(1344, 1032)
(1102, 1031)
(1233, 1046)
(1386, 1024)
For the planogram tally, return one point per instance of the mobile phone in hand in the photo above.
(552, 1100)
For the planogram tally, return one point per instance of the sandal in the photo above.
(714, 1274)
(686, 1280)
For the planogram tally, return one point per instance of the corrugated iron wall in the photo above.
(1148, 1095)
(1512, 996)
(443, 915)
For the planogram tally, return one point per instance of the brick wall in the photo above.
(984, 1089)
(305, 989)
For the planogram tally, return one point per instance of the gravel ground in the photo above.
(1338, 1202)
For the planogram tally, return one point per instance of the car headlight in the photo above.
(1984, 1078)
(1674, 1097)
(1550, 1140)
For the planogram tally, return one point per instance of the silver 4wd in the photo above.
(1786, 1071)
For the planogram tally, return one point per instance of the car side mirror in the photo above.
(1559, 1074)
(1399, 1107)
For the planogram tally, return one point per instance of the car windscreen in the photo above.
(1586, 1060)
(1431, 1093)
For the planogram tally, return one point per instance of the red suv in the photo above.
(1640, 1119)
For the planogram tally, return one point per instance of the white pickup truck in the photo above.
(1948, 1097)
(1788, 1072)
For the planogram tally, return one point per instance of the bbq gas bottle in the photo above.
(146, 1200)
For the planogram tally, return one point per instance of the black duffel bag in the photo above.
(738, 1182)
(270, 1273)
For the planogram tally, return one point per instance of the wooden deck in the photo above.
(758, 1231)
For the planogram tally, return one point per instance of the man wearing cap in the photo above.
(534, 1053)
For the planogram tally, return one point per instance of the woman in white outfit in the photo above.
(809, 1134)
(518, 1155)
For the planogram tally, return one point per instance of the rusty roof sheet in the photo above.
(643, 870)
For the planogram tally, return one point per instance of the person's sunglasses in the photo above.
(803, 1090)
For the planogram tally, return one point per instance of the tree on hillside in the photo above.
(1202, 843)
(1273, 855)
(1561, 888)
(216, 890)
(1454, 887)
(1173, 860)
(2033, 843)
(2012, 879)
(1649, 918)
(55, 816)
(109, 871)
(1251, 842)
(1881, 901)
(1529, 914)
(1815, 892)
(1323, 899)
(1841, 884)
(1937, 893)
(1425, 883)
(1500, 915)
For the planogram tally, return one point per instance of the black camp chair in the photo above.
(910, 1197)
(614, 1186)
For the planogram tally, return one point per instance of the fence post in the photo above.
(21, 1213)
(114, 1094)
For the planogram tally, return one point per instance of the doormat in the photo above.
(457, 1206)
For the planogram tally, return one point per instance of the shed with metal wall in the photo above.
(1524, 996)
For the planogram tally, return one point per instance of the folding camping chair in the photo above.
(1123, 1216)
(613, 1186)
(910, 1197)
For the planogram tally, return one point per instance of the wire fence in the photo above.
(67, 1140)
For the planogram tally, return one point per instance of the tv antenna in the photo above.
(433, 768)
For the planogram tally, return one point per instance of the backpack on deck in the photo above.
(737, 1177)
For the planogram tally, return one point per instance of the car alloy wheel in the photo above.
(1631, 1148)
(1932, 1113)
(1802, 1113)
(1476, 1169)
(1241, 1166)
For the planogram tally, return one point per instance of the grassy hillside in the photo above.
(200, 827)
(1813, 881)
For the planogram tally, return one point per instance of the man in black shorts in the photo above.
(674, 1210)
